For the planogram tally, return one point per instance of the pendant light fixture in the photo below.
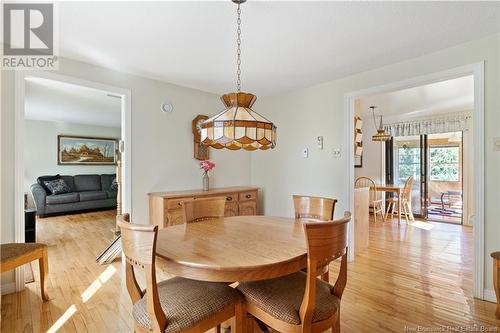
(381, 134)
(238, 126)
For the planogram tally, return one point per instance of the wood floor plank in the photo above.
(408, 277)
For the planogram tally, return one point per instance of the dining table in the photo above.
(392, 188)
(230, 249)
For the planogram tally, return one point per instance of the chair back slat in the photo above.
(139, 248)
(308, 207)
(407, 188)
(197, 210)
(370, 183)
(327, 241)
(138, 243)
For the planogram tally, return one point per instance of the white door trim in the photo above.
(126, 133)
(477, 70)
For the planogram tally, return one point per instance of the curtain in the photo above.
(447, 124)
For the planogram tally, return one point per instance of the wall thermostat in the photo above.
(167, 107)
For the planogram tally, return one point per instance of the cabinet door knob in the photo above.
(248, 196)
(229, 198)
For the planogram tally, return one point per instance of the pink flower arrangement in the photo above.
(207, 166)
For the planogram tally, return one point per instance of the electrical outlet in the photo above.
(320, 142)
(305, 153)
(336, 153)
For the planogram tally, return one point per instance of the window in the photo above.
(408, 163)
(445, 163)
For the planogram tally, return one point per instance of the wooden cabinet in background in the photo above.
(248, 208)
(165, 207)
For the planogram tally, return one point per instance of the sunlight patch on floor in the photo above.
(422, 225)
(97, 284)
(66, 315)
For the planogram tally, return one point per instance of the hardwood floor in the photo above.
(410, 276)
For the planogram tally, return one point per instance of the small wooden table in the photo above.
(239, 248)
(394, 189)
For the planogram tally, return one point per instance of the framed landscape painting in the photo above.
(79, 150)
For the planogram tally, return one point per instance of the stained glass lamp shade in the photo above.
(238, 126)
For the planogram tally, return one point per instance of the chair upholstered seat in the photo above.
(186, 302)
(14, 250)
(281, 297)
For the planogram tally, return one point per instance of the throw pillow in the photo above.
(41, 180)
(114, 185)
(57, 186)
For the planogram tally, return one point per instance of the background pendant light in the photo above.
(238, 126)
(381, 134)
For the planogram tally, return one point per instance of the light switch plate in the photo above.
(305, 153)
(319, 140)
(496, 144)
(336, 153)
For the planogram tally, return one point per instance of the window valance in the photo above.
(456, 123)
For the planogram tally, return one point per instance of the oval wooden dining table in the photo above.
(239, 248)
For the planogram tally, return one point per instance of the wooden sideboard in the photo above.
(165, 207)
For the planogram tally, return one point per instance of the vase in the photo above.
(206, 182)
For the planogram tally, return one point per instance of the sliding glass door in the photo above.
(435, 163)
(410, 160)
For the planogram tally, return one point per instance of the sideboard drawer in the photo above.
(231, 197)
(175, 203)
(249, 195)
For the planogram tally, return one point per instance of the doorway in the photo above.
(21, 79)
(435, 161)
(475, 139)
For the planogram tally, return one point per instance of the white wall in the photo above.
(40, 149)
(162, 144)
(319, 110)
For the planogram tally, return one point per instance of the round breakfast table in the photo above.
(239, 248)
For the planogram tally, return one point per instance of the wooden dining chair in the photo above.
(300, 302)
(13, 255)
(375, 197)
(197, 210)
(177, 304)
(392, 203)
(319, 208)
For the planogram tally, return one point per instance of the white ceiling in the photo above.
(443, 97)
(286, 45)
(50, 100)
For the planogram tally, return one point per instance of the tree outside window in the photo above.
(409, 163)
(444, 163)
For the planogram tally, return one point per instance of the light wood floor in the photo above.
(409, 277)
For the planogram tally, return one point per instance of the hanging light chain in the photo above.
(238, 51)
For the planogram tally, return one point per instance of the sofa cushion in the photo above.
(57, 186)
(87, 183)
(112, 194)
(62, 198)
(106, 181)
(69, 181)
(92, 195)
(40, 180)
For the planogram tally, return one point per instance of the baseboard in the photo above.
(9, 288)
(489, 295)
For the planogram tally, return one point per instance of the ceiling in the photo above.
(285, 45)
(443, 97)
(50, 100)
